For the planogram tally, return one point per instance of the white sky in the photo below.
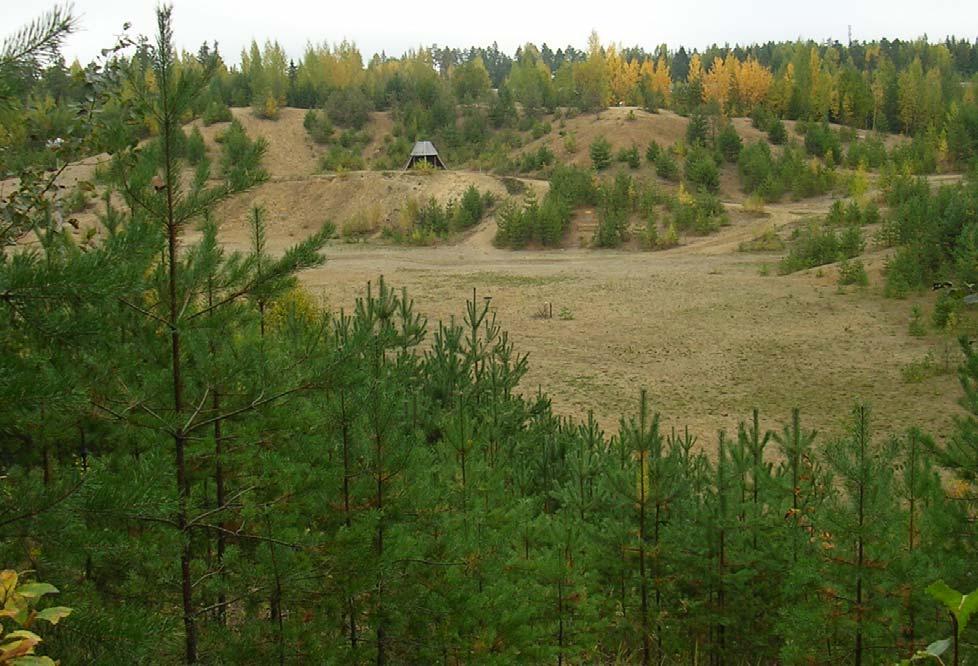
(394, 26)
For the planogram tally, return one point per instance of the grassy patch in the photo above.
(769, 241)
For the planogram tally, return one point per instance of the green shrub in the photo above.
(601, 153)
(853, 272)
(701, 214)
(570, 144)
(195, 150)
(945, 307)
(917, 371)
(240, 156)
(216, 112)
(666, 166)
(755, 166)
(536, 160)
(519, 225)
(904, 273)
(540, 129)
(761, 118)
(630, 156)
(340, 159)
(348, 107)
(469, 210)
(701, 170)
(916, 325)
(75, 201)
(869, 153)
(616, 205)
(776, 132)
(652, 152)
(729, 143)
(573, 185)
(318, 126)
(697, 130)
(837, 213)
(817, 245)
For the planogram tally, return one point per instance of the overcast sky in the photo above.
(393, 27)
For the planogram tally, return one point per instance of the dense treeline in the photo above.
(214, 468)
(462, 97)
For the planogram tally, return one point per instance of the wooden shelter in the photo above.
(424, 151)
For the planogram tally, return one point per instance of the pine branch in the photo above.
(36, 512)
(41, 39)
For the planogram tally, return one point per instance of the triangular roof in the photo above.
(424, 151)
(423, 148)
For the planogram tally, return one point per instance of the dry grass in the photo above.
(697, 325)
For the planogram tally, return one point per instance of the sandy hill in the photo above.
(622, 127)
(299, 198)
(298, 206)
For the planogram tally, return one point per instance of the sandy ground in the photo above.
(698, 326)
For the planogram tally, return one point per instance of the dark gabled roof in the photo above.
(423, 149)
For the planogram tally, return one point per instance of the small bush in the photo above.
(363, 223)
(240, 156)
(754, 206)
(701, 170)
(870, 153)
(469, 210)
(776, 132)
(666, 166)
(946, 307)
(697, 129)
(822, 141)
(853, 272)
(348, 107)
(769, 241)
(195, 150)
(600, 154)
(701, 214)
(75, 201)
(917, 371)
(266, 107)
(540, 129)
(904, 273)
(216, 112)
(761, 118)
(916, 325)
(817, 245)
(536, 160)
(341, 159)
(652, 152)
(318, 126)
(729, 143)
(630, 156)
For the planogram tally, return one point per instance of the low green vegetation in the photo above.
(210, 465)
(817, 244)
(427, 222)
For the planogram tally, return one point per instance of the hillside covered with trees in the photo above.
(201, 463)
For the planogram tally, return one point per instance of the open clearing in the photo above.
(699, 326)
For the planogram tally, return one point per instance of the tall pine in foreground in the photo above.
(212, 467)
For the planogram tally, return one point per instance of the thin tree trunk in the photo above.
(345, 430)
(179, 437)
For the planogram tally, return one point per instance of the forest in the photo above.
(204, 463)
